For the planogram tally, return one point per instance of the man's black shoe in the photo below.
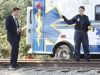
(77, 60)
(18, 65)
(15, 67)
(88, 60)
(11, 68)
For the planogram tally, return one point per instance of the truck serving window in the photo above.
(97, 12)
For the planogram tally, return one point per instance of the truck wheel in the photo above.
(63, 52)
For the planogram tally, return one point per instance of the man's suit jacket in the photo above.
(11, 27)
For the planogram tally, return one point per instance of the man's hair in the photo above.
(15, 8)
(82, 7)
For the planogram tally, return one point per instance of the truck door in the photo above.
(95, 33)
(29, 26)
(37, 25)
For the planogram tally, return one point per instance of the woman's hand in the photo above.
(63, 16)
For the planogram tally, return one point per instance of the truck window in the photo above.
(31, 16)
(97, 12)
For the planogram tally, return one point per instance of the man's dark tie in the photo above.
(16, 21)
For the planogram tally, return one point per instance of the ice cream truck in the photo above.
(47, 33)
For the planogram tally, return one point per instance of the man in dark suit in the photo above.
(13, 36)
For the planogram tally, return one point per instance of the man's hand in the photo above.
(19, 30)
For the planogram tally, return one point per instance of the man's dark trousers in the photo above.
(81, 36)
(14, 52)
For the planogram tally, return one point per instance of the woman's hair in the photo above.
(82, 7)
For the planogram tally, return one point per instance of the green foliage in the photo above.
(4, 53)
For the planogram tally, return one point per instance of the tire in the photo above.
(63, 52)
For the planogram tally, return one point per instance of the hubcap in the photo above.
(63, 54)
